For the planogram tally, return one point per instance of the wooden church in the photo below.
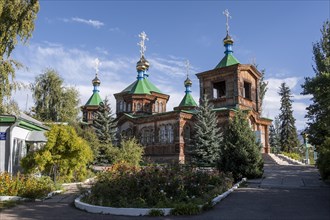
(167, 135)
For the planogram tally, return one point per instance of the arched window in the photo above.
(169, 132)
(138, 107)
(186, 134)
(124, 108)
(156, 107)
(121, 106)
(162, 134)
(161, 107)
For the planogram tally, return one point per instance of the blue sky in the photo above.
(69, 35)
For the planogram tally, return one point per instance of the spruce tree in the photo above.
(239, 150)
(319, 112)
(288, 131)
(205, 151)
(104, 123)
(274, 135)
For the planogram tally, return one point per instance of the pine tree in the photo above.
(239, 150)
(319, 112)
(288, 131)
(274, 135)
(207, 137)
(104, 124)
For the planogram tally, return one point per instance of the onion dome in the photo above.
(188, 82)
(142, 64)
(96, 81)
(228, 40)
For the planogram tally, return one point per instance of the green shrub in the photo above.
(129, 151)
(123, 185)
(186, 209)
(323, 160)
(294, 156)
(64, 157)
(156, 212)
(25, 186)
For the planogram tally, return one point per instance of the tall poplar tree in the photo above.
(16, 23)
(319, 111)
(205, 151)
(53, 101)
(288, 131)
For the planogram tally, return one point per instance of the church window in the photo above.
(156, 106)
(247, 90)
(162, 134)
(121, 106)
(138, 107)
(124, 106)
(169, 133)
(129, 107)
(219, 89)
(160, 107)
(187, 134)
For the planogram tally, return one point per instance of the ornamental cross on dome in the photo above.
(97, 64)
(226, 13)
(143, 37)
(187, 67)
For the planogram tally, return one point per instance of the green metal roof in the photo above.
(188, 100)
(95, 99)
(140, 87)
(143, 86)
(151, 86)
(227, 60)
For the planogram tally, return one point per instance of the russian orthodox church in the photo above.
(168, 135)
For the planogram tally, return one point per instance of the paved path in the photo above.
(285, 192)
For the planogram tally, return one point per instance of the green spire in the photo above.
(227, 60)
(95, 99)
(188, 100)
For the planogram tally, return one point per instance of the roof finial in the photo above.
(143, 48)
(97, 64)
(187, 68)
(226, 13)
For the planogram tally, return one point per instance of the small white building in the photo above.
(19, 134)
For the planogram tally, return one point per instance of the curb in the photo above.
(140, 211)
(13, 198)
(293, 160)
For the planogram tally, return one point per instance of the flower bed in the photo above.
(124, 186)
(25, 186)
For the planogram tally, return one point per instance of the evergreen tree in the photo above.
(319, 112)
(288, 131)
(274, 135)
(16, 24)
(104, 123)
(207, 137)
(239, 150)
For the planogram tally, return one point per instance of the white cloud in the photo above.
(93, 23)
(76, 67)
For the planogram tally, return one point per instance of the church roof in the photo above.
(227, 60)
(95, 99)
(188, 100)
(142, 86)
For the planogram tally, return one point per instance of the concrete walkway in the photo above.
(285, 192)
